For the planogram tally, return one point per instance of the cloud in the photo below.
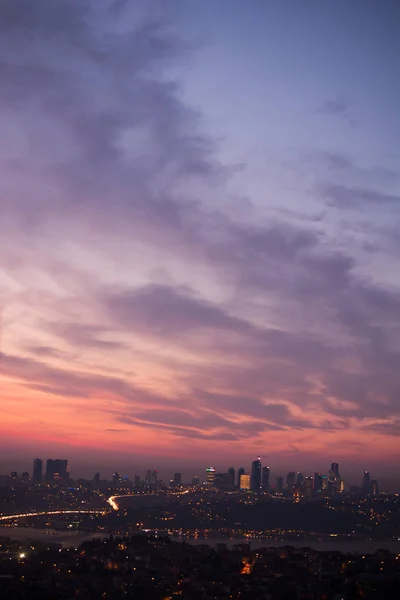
(137, 293)
(346, 198)
(337, 106)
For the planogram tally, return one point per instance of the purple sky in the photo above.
(199, 234)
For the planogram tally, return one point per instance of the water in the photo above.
(69, 539)
(345, 546)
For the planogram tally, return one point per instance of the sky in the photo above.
(199, 235)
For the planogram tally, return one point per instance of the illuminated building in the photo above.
(178, 479)
(57, 470)
(291, 480)
(37, 470)
(151, 478)
(299, 478)
(241, 472)
(335, 470)
(265, 479)
(318, 483)
(256, 475)
(374, 487)
(210, 476)
(335, 484)
(245, 482)
(308, 487)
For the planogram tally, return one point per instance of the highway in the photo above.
(52, 512)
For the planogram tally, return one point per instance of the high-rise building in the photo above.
(279, 485)
(195, 481)
(231, 477)
(151, 478)
(136, 480)
(241, 472)
(366, 483)
(318, 483)
(308, 486)
(334, 472)
(210, 476)
(374, 487)
(96, 480)
(25, 476)
(57, 470)
(154, 477)
(37, 470)
(265, 479)
(178, 479)
(245, 482)
(291, 480)
(256, 475)
(299, 478)
(116, 478)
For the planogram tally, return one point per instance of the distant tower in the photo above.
(178, 479)
(374, 487)
(335, 471)
(241, 472)
(279, 485)
(210, 476)
(231, 477)
(291, 480)
(366, 483)
(256, 475)
(265, 479)
(318, 483)
(57, 470)
(37, 470)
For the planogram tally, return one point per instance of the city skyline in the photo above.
(258, 476)
(199, 213)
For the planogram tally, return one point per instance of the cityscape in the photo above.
(219, 535)
(199, 300)
(258, 479)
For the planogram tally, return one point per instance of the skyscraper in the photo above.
(318, 483)
(245, 482)
(136, 480)
(308, 487)
(335, 471)
(57, 470)
(241, 472)
(374, 487)
(366, 483)
(265, 479)
(279, 485)
(291, 479)
(231, 477)
(210, 476)
(256, 475)
(177, 479)
(37, 470)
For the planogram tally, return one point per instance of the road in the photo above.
(52, 512)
